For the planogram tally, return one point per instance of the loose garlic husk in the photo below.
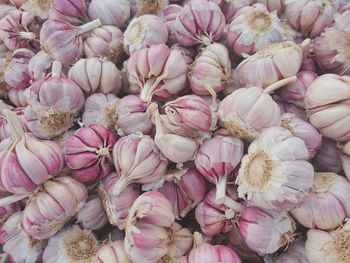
(327, 104)
(326, 206)
(157, 71)
(54, 103)
(274, 174)
(105, 41)
(211, 70)
(39, 8)
(266, 231)
(72, 11)
(216, 158)
(204, 252)
(206, 23)
(148, 226)
(252, 28)
(55, 202)
(110, 12)
(270, 64)
(137, 160)
(144, 31)
(26, 161)
(117, 206)
(331, 48)
(62, 40)
(101, 109)
(311, 17)
(19, 30)
(6, 8)
(19, 245)
(295, 253)
(71, 244)
(96, 74)
(88, 153)
(303, 130)
(328, 247)
(113, 252)
(247, 111)
(328, 158)
(92, 215)
(39, 66)
(16, 72)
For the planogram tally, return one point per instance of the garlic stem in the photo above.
(229, 202)
(27, 35)
(305, 47)
(88, 26)
(17, 131)
(197, 239)
(279, 84)
(12, 199)
(148, 89)
(221, 190)
(56, 69)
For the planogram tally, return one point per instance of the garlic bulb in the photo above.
(137, 160)
(157, 71)
(105, 41)
(54, 103)
(274, 174)
(26, 162)
(270, 64)
(88, 153)
(328, 158)
(92, 215)
(100, 109)
(72, 11)
(216, 158)
(17, 97)
(71, 244)
(117, 206)
(266, 231)
(39, 66)
(326, 206)
(55, 202)
(327, 104)
(328, 247)
(230, 8)
(252, 28)
(144, 31)
(247, 112)
(295, 253)
(19, 245)
(211, 70)
(112, 253)
(142, 7)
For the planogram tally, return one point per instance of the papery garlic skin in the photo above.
(41, 9)
(328, 247)
(18, 30)
(88, 153)
(311, 17)
(52, 206)
(71, 244)
(270, 64)
(19, 245)
(275, 174)
(144, 31)
(72, 11)
(100, 109)
(216, 158)
(7, 210)
(211, 70)
(327, 104)
(303, 130)
(5, 128)
(110, 12)
(92, 215)
(252, 28)
(328, 158)
(105, 41)
(96, 74)
(182, 242)
(266, 231)
(295, 253)
(137, 160)
(16, 72)
(295, 92)
(157, 71)
(147, 231)
(117, 206)
(246, 112)
(193, 24)
(39, 66)
(325, 207)
(112, 253)
(134, 116)
(230, 8)
(142, 7)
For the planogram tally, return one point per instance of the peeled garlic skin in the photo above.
(50, 208)
(266, 231)
(319, 247)
(327, 102)
(92, 215)
(112, 253)
(326, 206)
(144, 31)
(117, 206)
